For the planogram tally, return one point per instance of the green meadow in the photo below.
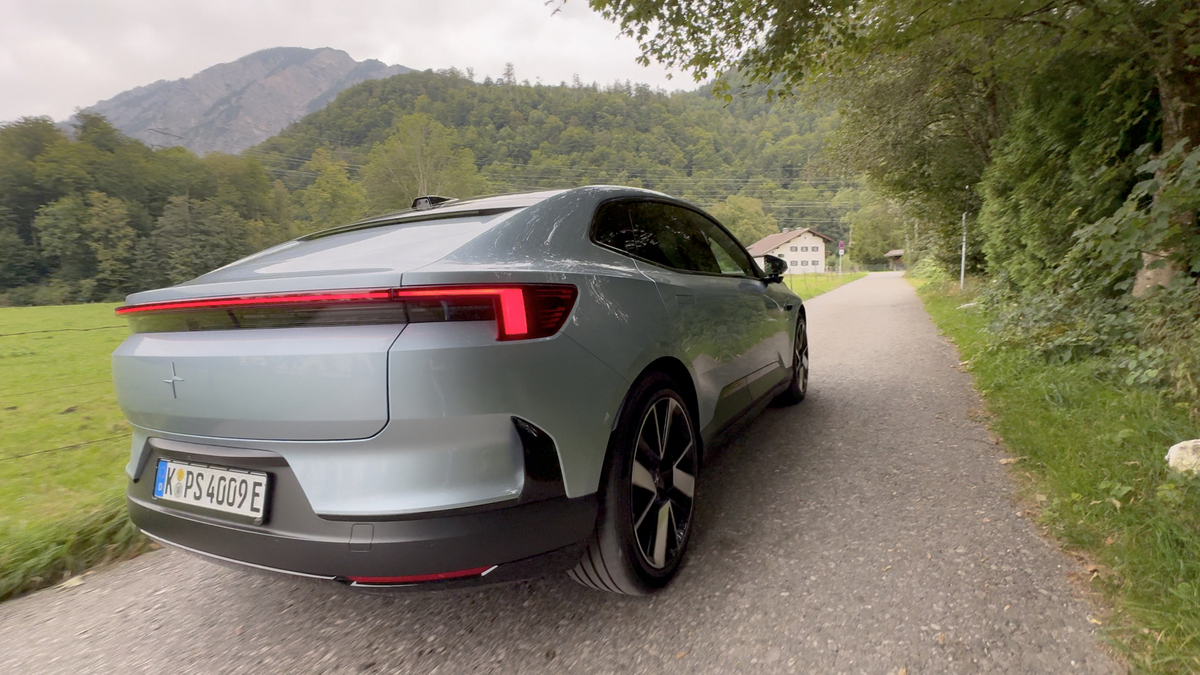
(63, 445)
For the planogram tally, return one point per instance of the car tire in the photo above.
(647, 495)
(798, 386)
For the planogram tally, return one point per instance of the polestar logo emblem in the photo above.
(174, 378)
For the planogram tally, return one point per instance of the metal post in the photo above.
(962, 270)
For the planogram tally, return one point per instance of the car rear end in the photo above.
(307, 411)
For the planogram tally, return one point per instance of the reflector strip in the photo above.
(255, 300)
(416, 578)
(512, 303)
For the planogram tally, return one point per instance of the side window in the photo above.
(731, 258)
(660, 233)
(616, 227)
(670, 236)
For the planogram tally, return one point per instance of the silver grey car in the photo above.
(465, 392)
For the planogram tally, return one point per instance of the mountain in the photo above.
(232, 106)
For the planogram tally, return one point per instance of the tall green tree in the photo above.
(745, 218)
(421, 157)
(112, 242)
(59, 227)
(876, 228)
(194, 237)
(332, 198)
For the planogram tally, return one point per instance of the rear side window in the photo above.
(665, 234)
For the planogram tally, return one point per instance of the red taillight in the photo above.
(288, 299)
(521, 311)
(511, 309)
(417, 578)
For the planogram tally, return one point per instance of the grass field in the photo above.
(808, 286)
(1090, 455)
(63, 446)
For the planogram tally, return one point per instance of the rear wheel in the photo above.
(798, 386)
(648, 493)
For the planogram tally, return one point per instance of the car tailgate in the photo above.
(326, 383)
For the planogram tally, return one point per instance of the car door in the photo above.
(768, 338)
(715, 304)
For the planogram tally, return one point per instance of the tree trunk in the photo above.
(1178, 79)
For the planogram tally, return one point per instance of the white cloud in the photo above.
(57, 55)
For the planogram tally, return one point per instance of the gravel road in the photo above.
(868, 530)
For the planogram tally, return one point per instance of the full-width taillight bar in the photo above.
(522, 311)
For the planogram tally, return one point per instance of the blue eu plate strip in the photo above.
(160, 479)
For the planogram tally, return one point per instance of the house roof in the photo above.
(773, 241)
(894, 253)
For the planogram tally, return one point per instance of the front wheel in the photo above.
(647, 494)
(798, 386)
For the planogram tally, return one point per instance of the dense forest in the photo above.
(89, 214)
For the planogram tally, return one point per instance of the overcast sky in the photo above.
(58, 55)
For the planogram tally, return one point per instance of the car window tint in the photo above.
(731, 258)
(615, 227)
(661, 233)
(683, 245)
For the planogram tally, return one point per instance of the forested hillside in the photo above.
(93, 214)
(517, 137)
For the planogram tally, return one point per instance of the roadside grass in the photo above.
(1090, 455)
(63, 446)
(809, 286)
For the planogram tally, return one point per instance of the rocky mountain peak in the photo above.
(232, 106)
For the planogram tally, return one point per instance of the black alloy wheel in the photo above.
(798, 386)
(648, 494)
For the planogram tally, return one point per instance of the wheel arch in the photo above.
(674, 369)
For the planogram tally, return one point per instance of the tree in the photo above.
(421, 157)
(744, 218)
(332, 199)
(194, 237)
(59, 227)
(112, 242)
(18, 262)
(875, 228)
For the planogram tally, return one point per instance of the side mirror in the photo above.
(772, 267)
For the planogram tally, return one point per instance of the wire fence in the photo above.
(74, 446)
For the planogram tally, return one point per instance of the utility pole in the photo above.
(962, 270)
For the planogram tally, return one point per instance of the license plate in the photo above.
(242, 493)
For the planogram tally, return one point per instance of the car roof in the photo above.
(450, 209)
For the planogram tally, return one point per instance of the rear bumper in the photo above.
(537, 534)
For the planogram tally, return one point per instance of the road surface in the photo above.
(868, 530)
